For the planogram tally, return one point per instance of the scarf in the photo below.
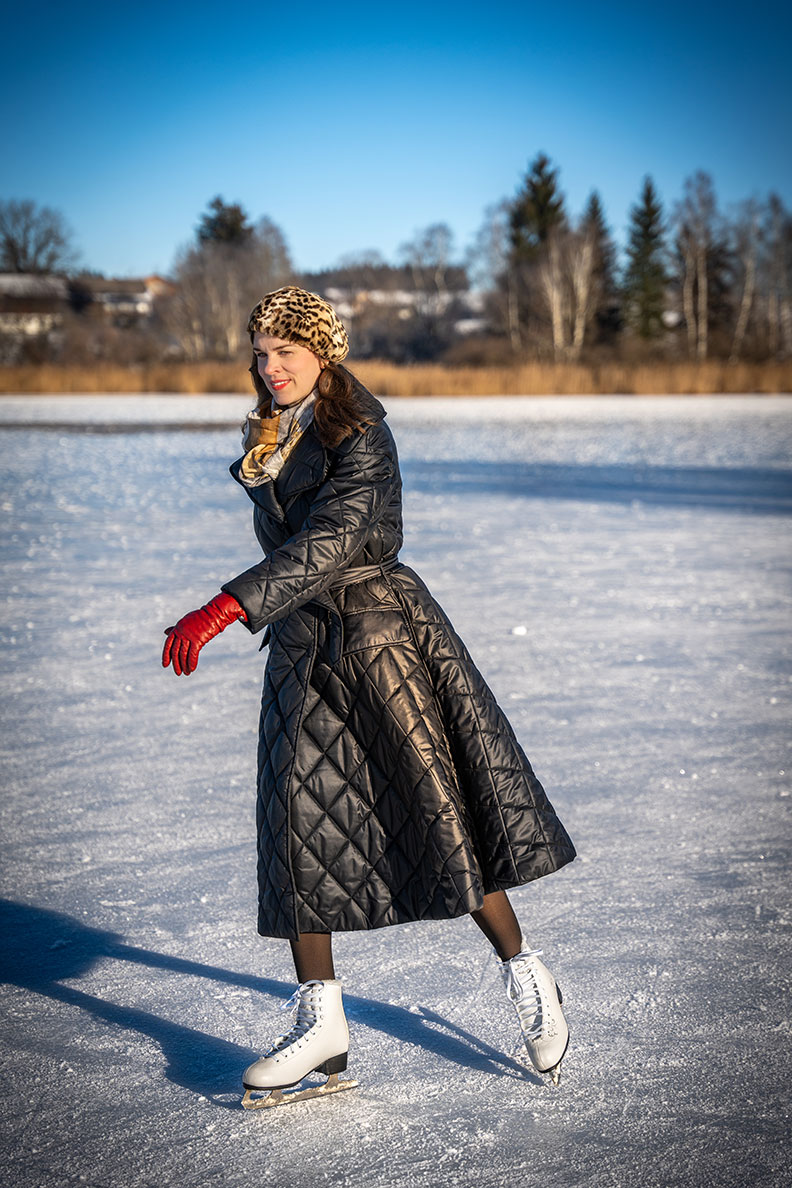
(269, 440)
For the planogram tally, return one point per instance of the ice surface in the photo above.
(620, 571)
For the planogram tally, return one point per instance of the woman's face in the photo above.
(290, 371)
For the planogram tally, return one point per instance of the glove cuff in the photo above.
(225, 608)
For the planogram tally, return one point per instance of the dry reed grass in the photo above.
(388, 379)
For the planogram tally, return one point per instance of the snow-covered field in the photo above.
(620, 571)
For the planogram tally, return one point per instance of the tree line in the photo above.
(694, 282)
(537, 283)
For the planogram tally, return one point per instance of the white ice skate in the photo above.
(318, 1042)
(537, 1000)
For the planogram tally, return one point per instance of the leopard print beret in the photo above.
(302, 317)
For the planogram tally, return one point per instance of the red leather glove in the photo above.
(186, 639)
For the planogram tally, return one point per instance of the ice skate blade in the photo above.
(279, 1097)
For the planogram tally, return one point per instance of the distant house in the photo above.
(40, 313)
(32, 305)
(127, 299)
(368, 289)
(357, 302)
(123, 301)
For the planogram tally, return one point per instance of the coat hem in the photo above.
(502, 885)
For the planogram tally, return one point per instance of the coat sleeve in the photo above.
(346, 507)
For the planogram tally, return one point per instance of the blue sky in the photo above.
(353, 125)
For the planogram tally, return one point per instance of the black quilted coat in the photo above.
(390, 785)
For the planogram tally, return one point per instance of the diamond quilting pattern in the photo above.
(372, 810)
(391, 785)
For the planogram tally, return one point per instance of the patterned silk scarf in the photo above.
(269, 440)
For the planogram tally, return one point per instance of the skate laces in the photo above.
(303, 1005)
(522, 987)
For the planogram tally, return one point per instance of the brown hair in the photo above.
(342, 406)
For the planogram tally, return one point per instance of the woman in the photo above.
(391, 787)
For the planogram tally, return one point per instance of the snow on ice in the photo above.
(620, 571)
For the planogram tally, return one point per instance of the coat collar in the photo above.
(308, 463)
(371, 407)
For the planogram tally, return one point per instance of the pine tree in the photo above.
(224, 223)
(535, 212)
(537, 209)
(645, 277)
(606, 312)
(220, 277)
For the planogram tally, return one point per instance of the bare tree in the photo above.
(488, 256)
(218, 282)
(489, 265)
(553, 280)
(436, 282)
(777, 278)
(697, 222)
(428, 256)
(583, 287)
(34, 239)
(567, 280)
(747, 238)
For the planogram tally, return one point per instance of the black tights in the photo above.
(497, 921)
(313, 956)
(313, 952)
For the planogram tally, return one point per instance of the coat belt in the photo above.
(361, 573)
(348, 577)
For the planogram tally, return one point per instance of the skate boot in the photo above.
(318, 1042)
(537, 1000)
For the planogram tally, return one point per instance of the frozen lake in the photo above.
(619, 568)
